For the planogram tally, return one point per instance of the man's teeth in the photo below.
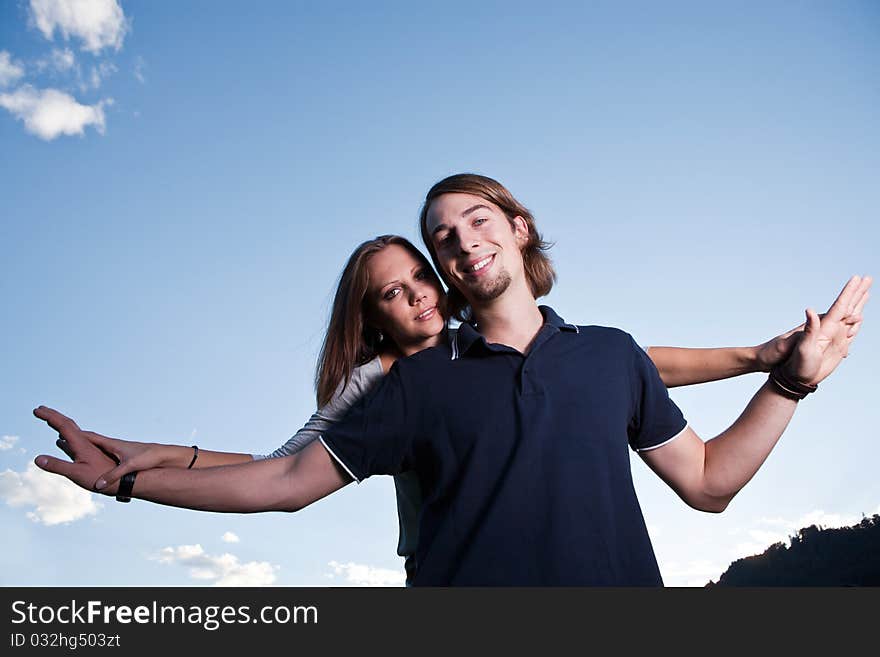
(482, 263)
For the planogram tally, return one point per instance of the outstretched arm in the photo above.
(681, 366)
(134, 456)
(284, 484)
(708, 475)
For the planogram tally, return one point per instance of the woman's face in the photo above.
(404, 299)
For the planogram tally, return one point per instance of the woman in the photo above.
(390, 304)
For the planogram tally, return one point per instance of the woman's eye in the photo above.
(480, 220)
(393, 292)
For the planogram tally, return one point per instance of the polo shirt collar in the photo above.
(467, 335)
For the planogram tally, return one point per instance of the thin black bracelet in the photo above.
(125, 486)
(195, 456)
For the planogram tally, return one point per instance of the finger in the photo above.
(860, 304)
(58, 421)
(843, 303)
(56, 466)
(791, 332)
(813, 323)
(99, 440)
(112, 476)
(64, 446)
(860, 292)
(851, 333)
(103, 443)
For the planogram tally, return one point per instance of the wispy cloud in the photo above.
(49, 113)
(139, 66)
(224, 569)
(10, 71)
(100, 72)
(98, 24)
(59, 60)
(362, 575)
(229, 537)
(54, 499)
(7, 442)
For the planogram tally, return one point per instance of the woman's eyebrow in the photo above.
(392, 282)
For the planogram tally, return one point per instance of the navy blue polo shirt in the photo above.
(523, 459)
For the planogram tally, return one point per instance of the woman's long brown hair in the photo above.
(350, 340)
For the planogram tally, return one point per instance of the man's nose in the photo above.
(468, 240)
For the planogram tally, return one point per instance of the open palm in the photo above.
(826, 340)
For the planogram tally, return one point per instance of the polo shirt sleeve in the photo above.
(656, 420)
(375, 436)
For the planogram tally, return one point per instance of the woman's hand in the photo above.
(777, 349)
(133, 456)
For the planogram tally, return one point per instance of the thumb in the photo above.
(112, 476)
(813, 324)
(55, 466)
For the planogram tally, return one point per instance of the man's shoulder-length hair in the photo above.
(538, 267)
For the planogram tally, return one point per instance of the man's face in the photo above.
(476, 245)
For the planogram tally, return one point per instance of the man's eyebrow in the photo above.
(474, 208)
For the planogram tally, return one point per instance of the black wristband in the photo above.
(195, 456)
(125, 486)
(788, 386)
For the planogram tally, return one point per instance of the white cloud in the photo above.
(7, 442)
(229, 537)
(63, 60)
(49, 113)
(98, 23)
(10, 71)
(139, 65)
(224, 569)
(58, 60)
(55, 499)
(363, 575)
(100, 72)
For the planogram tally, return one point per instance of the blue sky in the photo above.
(182, 183)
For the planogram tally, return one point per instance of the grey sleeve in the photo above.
(363, 379)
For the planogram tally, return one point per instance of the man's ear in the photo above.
(521, 230)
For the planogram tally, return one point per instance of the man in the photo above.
(519, 429)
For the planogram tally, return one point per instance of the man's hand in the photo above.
(826, 339)
(777, 350)
(89, 462)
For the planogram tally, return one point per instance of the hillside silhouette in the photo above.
(841, 556)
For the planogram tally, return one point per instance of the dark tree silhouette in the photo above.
(844, 556)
